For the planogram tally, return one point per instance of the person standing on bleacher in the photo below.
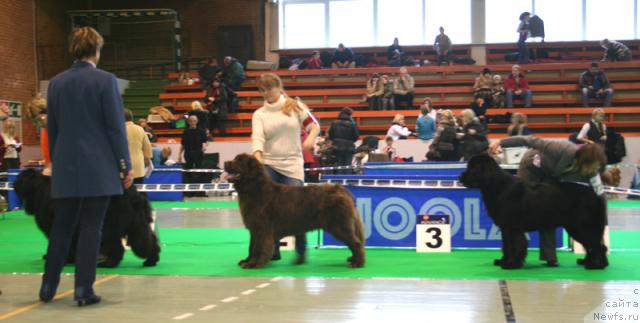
(615, 51)
(523, 32)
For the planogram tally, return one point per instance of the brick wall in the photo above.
(200, 20)
(17, 56)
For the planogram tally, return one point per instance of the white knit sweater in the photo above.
(278, 137)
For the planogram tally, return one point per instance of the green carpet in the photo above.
(623, 204)
(215, 252)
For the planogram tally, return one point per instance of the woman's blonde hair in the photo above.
(447, 115)
(84, 42)
(196, 105)
(9, 127)
(268, 81)
(517, 121)
(467, 115)
(597, 112)
(398, 117)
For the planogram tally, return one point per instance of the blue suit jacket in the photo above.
(87, 137)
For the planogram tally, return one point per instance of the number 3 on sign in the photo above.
(433, 238)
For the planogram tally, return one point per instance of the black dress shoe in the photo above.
(93, 299)
(46, 293)
(580, 261)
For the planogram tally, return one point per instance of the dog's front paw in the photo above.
(356, 263)
(250, 265)
(601, 263)
(151, 262)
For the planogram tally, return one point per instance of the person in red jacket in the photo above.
(517, 87)
(314, 62)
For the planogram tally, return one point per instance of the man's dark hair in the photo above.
(595, 64)
(486, 71)
(524, 14)
(128, 115)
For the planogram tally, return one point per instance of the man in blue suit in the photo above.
(90, 155)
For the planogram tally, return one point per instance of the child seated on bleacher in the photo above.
(497, 92)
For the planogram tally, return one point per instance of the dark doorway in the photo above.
(235, 41)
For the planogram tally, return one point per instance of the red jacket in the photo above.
(314, 63)
(511, 84)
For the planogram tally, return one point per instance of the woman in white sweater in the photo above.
(275, 138)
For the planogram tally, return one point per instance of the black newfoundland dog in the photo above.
(128, 216)
(271, 211)
(518, 206)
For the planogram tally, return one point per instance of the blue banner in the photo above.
(389, 216)
(168, 175)
(423, 168)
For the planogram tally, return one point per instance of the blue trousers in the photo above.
(86, 215)
(301, 239)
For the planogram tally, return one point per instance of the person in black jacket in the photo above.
(479, 107)
(395, 53)
(343, 58)
(474, 138)
(208, 71)
(343, 133)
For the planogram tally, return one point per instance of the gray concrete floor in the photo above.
(235, 299)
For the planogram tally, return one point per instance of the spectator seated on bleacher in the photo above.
(517, 87)
(395, 53)
(595, 84)
(483, 85)
(387, 93)
(217, 101)
(233, 73)
(403, 89)
(343, 58)
(442, 46)
(518, 126)
(209, 71)
(615, 51)
(497, 92)
(375, 90)
(314, 62)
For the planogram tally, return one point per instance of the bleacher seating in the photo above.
(556, 96)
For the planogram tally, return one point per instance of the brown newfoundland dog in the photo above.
(271, 211)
